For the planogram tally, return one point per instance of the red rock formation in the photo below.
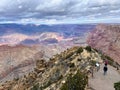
(107, 39)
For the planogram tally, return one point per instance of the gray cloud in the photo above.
(12, 10)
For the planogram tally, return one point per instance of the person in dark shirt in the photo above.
(105, 69)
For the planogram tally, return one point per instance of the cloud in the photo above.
(57, 11)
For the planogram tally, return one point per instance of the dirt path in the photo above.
(104, 82)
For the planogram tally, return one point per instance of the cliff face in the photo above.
(107, 39)
(16, 60)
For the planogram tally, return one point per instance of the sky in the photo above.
(59, 11)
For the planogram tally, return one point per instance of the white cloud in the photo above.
(57, 10)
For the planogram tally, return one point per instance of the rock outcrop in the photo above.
(52, 74)
(106, 38)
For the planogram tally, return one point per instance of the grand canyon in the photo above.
(22, 45)
(20, 49)
(59, 45)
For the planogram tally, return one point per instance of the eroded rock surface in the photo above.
(107, 39)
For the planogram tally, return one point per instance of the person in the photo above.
(97, 66)
(92, 71)
(106, 62)
(105, 69)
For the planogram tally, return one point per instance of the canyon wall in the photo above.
(107, 39)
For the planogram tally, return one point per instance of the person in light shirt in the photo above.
(97, 66)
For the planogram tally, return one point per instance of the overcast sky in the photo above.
(59, 11)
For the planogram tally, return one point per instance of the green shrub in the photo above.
(16, 79)
(35, 87)
(88, 48)
(71, 65)
(60, 77)
(110, 62)
(92, 62)
(47, 84)
(96, 50)
(80, 50)
(69, 55)
(109, 58)
(76, 82)
(79, 59)
(117, 85)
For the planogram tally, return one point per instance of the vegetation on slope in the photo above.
(117, 85)
(76, 82)
(88, 48)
